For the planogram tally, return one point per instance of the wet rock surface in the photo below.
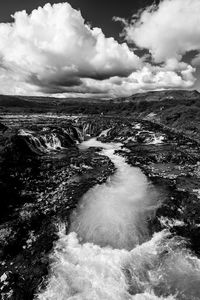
(44, 174)
(39, 189)
(171, 162)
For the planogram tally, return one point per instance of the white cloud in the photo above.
(146, 79)
(52, 51)
(168, 30)
(54, 48)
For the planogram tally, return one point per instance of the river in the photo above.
(109, 254)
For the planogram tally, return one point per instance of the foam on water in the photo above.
(115, 213)
(108, 255)
(159, 269)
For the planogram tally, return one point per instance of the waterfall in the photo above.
(42, 142)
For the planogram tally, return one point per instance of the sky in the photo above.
(98, 13)
(100, 49)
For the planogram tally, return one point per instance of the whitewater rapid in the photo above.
(115, 213)
(109, 253)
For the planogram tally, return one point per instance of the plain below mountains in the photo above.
(176, 109)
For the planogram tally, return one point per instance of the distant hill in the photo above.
(178, 109)
(162, 95)
(11, 101)
(54, 103)
(20, 101)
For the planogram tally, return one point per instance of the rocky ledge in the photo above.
(38, 192)
(44, 174)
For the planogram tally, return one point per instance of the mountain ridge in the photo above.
(31, 101)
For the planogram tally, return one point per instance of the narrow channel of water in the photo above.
(116, 213)
(108, 253)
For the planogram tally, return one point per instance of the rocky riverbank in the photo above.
(44, 174)
(171, 162)
(38, 192)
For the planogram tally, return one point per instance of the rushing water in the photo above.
(109, 254)
(115, 213)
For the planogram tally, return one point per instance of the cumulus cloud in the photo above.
(53, 51)
(168, 30)
(146, 79)
(54, 48)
